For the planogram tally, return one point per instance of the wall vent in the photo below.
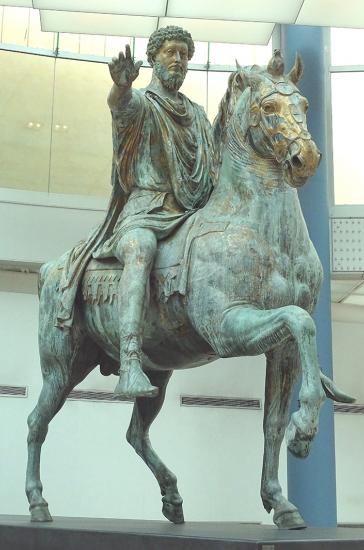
(223, 402)
(357, 408)
(97, 395)
(13, 391)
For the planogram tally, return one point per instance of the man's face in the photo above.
(171, 63)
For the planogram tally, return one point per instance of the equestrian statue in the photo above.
(203, 254)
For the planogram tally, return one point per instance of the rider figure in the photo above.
(162, 152)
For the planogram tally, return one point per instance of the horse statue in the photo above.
(240, 277)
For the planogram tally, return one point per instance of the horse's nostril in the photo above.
(296, 161)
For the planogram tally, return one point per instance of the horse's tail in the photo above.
(332, 392)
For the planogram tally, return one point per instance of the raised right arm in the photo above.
(123, 71)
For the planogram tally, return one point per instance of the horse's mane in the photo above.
(226, 108)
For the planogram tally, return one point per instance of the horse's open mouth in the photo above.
(302, 164)
(294, 179)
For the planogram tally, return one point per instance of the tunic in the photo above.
(162, 173)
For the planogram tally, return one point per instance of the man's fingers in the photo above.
(127, 52)
(121, 56)
(138, 64)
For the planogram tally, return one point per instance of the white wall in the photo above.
(88, 469)
(348, 350)
(45, 229)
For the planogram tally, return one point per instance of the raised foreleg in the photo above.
(281, 373)
(249, 331)
(144, 412)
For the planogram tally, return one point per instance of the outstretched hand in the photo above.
(123, 70)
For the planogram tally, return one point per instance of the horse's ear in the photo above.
(241, 78)
(275, 66)
(296, 72)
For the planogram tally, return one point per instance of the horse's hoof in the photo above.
(290, 519)
(40, 513)
(173, 512)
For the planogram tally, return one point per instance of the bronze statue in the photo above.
(162, 170)
(239, 277)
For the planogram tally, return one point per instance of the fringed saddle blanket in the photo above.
(170, 271)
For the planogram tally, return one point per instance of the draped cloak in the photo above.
(161, 173)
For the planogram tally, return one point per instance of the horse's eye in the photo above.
(269, 108)
(305, 106)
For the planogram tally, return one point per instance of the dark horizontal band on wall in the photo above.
(97, 395)
(13, 391)
(223, 402)
(357, 408)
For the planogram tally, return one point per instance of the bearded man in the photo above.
(161, 174)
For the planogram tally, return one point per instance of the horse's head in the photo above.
(263, 107)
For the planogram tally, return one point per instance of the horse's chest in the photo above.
(267, 275)
(295, 281)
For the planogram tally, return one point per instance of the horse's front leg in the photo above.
(281, 373)
(144, 412)
(249, 331)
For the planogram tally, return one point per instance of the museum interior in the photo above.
(55, 165)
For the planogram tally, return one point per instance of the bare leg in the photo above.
(136, 250)
(57, 384)
(144, 412)
(282, 372)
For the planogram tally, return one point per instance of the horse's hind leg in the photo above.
(59, 378)
(281, 373)
(144, 412)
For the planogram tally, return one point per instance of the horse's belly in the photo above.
(169, 341)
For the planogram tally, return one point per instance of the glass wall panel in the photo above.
(25, 122)
(38, 38)
(15, 26)
(347, 126)
(68, 42)
(195, 87)
(217, 84)
(200, 56)
(92, 44)
(145, 76)
(81, 144)
(1, 22)
(225, 54)
(347, 46)
(140, 49)
(115, 44)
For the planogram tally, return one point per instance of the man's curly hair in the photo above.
(171, 32)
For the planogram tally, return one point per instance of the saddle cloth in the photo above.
(170, 270)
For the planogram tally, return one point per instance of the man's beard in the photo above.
(171, 81)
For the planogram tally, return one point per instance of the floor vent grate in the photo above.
(97, 395)
(223, 402)
(349, 408)
(13, 391)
